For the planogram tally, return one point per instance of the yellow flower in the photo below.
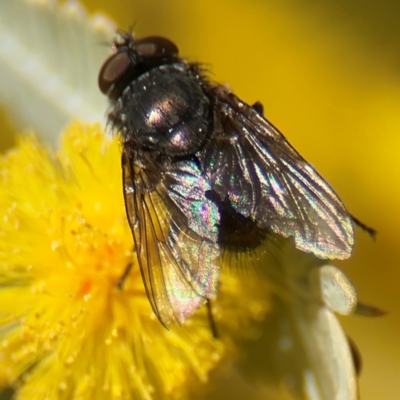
(66, 330)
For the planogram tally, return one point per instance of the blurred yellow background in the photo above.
(328, 75)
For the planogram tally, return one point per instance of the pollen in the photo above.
(67, 331)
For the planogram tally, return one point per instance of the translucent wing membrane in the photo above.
(178, 266)
(277, 187)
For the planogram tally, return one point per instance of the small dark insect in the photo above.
(204, 172)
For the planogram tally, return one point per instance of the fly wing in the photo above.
(251, 164)
(178, 265)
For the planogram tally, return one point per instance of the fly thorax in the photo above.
(164, 110)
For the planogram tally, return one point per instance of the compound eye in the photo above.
(113, 69)
(155, 46)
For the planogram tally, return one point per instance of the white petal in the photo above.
(50, 56)
(314, 351)
(335, 289)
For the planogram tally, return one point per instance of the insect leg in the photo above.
(123, 277)
(356, 355)
(371, 231)
(213, 325)
(258, 107)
